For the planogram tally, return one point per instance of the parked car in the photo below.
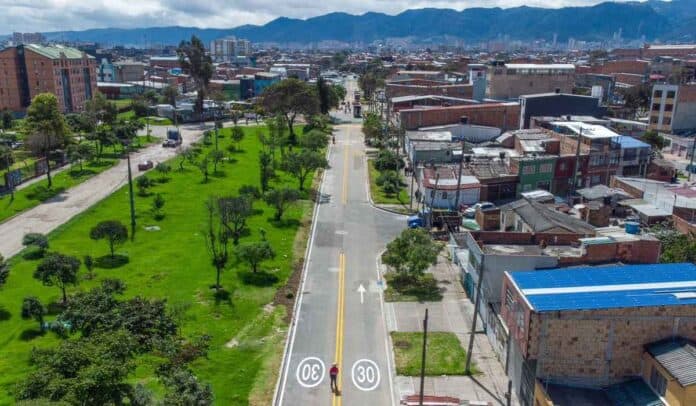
(170, 144)
(471, 211)
(145, 165)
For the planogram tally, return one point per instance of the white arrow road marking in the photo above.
(361, 290)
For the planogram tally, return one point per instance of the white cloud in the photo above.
(60, 15)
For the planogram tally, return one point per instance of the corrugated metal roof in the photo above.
(591, 288)
(678, 357)
(56, 51)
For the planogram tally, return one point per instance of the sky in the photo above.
(63, 15)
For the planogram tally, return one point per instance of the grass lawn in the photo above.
(120, 103)
(378, 195)
(247, 330)
(444, 354)
(426, 292)
(33, 195)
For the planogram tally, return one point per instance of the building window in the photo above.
(657, 381)
(529, 170)
(657, 94)
(562, 166)
(444, 195)
(432, 193)
(666, 121)
(669, 107)
(671, 94)
(656, 106)
(545, 168)
(509, 300)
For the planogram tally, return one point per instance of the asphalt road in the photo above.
(335, 322)
(47, 216)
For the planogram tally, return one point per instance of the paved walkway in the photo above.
(47, 216)
(453, 314)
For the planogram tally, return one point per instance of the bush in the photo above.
(388, 160)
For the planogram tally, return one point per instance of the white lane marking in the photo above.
(310, 372)
(290, 342)
(361, 290)
(365, 374)
(387, 336)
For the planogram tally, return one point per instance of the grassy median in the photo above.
(378, 194)
(170, 261)
(444, 354)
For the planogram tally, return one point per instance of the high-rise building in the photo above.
(19, 38)
(227, 49)
(28, 70)
(673, 108)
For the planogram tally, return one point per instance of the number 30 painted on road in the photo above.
(310, 372)
(365, 374)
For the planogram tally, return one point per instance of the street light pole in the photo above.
(130, 194)
(477, 304)
(422, 372)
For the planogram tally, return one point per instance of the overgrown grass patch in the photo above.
(444, 354)
(378, 194)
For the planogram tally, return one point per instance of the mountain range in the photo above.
(653, 20)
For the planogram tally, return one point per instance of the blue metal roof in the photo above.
(589, 288)
(629, 142)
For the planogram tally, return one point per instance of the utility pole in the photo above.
(693, 152)
(459, 179)
(477, 304)
(508, 395)
(577, 165)
(130, 194)
(422, 373)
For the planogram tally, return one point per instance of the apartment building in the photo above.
(228, 49)
(673, 108)
(511, 80)
(28, 70)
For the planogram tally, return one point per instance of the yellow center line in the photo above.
(338, 356)
(345, 174)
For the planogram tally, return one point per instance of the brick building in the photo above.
(510, 81)
(28, 70)
(505, 116)
(673, 108)
(424, 87)
(589, 326)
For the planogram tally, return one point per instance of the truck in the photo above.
(173, 138)
(357, 110)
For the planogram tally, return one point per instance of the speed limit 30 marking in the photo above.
(310, 372)
(365, 374)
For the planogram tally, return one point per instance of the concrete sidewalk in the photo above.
(452, 314)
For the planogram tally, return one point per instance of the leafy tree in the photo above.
(234, 211)
(254, 253)
(143, 183)
(89, 264)
(157, 206)
(656, 141)
(237, 136)
(163, 168)
(301, 164)
(388, 160)
(90, 371)
(58, 270)
(217, 241)
(197, 63)
(676, 247)
(314, 140)
(113, 231)
(186, 154)
(47, 128)
(170, 94)
(78, 153)
(411, 253)
(204, 167)
(127, 131)
(324, 92)
(4, 271)
(186, 390)
(281, 199)
(372, 128)
(250, 191)
(290, 98)
(216, 157)
(339, 93)
(139, 106)
(6, 157)
(102, 137)
(37, 240)
(390, 182)
(6, 120)
(33, 309)
(266, 169)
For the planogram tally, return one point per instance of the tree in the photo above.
(324, 92)
(290, 98)
(411, 253)
(217, 241)
(237, 136)
(170, 94)
(33, 309)
(372, 128)
(6, 157)
(390, 182)
(234, 211)
(47, 128)
(139, 107)
(314, 140)
(266, 169)
(388, 160)
(204, 166)
(126, 131)
(157, 206)
(281, 199)
(58, 270)
(78, 153)
(37, 240)
(6, 120)
(301, 164)
(89, 264)
(197, 63)
(163, 168)
(186, 390)
(98, 118)
(216, 157)
(4, 271)
(250, 191)
(186, 154)
(144, 183)
(254, 253)
(113, 231)
(656, 141)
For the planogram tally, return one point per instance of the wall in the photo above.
(445, 199)
(462, 91)
(638, 67)
(502, 115)
(534, 173)
(10, 91)
(556, 105)
(509, 86)
(675, 394)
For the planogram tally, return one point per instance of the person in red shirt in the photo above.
(333, 373)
